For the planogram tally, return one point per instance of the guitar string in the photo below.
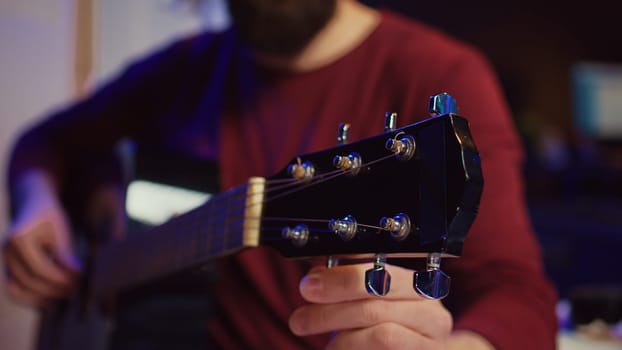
(293, 181)
(324, 177)
(317, 221)
(297, 186)
(294, 185)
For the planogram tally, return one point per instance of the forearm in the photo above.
(33, 185)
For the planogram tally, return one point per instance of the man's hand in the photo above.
(37, 251)
(402, 319)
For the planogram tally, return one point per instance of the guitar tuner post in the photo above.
(299, 235)
(352, 163)
(399, 226)
(434, 261)
(345, 228)
(404, 148)
(301, 170)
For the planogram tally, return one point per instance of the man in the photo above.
(274, 86)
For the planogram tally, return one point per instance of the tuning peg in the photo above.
(404, 148)
(345, 228)
(342, 133)
(299, 235)
(350, 163)
(390, 121)
(399, 226)
(378, 279)
(442, 103)
(432, 283)
(301, 170)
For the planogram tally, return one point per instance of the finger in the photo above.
(33, 254)
(383, 336)
(23, 295)
(64, 255)
(427, 317)
(58, 240)
(347, 282)
(18, 272)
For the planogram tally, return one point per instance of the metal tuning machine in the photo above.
(342, 133)
(390, 121)
(299, 235)
(302, 171)
(342, 139)
(398, 226)
(432, 283)
(403, 146)
(442, 103)
(378, 279)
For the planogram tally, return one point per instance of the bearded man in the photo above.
(275, 85)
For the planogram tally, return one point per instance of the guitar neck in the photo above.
(225, 224)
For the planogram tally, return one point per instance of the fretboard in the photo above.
(227, 223)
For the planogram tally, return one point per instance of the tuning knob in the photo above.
(301, 170)
(390, 121)
(342, 133)
(378, 279)
(432, 283)
(298, 235)
(442, 103)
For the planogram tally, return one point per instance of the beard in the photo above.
(280, 27)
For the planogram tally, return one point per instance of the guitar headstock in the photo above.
(409, 192)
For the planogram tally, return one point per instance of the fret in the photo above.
(211, 230)
(226, 217)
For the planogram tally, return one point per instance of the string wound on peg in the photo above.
(432, 283)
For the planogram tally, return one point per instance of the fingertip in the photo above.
(295, 322)
(310, 287)
(22, 296)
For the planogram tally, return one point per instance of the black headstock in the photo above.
(409, 204)
(410, 192)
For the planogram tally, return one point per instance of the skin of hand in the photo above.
(402, 319)
(37, 250)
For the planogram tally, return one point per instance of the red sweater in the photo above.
(204, 96)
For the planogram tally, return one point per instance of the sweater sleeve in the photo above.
(500, 289)
(80, 139)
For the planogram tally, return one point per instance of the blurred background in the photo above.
(560, 65)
